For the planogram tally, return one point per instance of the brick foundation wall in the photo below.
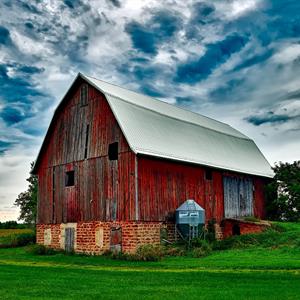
(95, 237)
(54, 231)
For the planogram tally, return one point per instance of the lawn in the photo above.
(251, 273)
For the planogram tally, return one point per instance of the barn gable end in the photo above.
(78, 141)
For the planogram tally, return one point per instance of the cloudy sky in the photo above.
(236, 61)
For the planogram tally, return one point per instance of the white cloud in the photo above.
(236, 8)
(287, 53)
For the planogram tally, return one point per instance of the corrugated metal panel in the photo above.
(156, 128)
(162, 107)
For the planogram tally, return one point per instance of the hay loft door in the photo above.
(238, 197)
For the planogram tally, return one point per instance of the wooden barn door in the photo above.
(71, 194)
(116, 239)
(238, 197)
(69, 239)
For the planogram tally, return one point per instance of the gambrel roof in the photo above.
(159, 129)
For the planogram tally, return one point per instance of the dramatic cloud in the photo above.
(4, 36)
(159, 29)
(270, 117)
(236, 61)
(196, 70)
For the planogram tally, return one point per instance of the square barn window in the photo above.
(70, 178)
(113, 151)
(84, 95)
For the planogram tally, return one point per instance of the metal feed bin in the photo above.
(190, 219)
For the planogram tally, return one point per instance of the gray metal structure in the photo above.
(190, 219)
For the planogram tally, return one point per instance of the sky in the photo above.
(232, 60)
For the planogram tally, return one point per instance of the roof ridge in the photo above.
(160, 101)
(177, 119)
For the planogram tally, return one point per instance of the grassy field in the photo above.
(12, 236)
(8, 232)
(271, 272)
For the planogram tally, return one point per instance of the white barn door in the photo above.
(238, 197)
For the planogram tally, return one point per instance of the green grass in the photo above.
(254, 272)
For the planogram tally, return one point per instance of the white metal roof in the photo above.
(156, 128)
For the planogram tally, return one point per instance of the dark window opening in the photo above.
(208, 174)
(70, 178)
(113, 151)
(53, 195)
(83, 95)
(86, 141)
(236, 230)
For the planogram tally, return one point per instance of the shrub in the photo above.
(41, 250)
(124, 256)
(149, 252)
(18, 240)
(143, 253)
(210, 233)
(202, 250)
(174, 251)
(24, 239)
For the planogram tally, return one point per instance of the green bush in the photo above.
(149, 252)
(210, 234)
(203, 249)
(143, 253)
(18, 240)
(174, 251)
(24, 239)
(41, 250)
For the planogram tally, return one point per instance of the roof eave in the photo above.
(202, 163)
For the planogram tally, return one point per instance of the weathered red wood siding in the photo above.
(259, 196)
(104, 190)
(163, 185)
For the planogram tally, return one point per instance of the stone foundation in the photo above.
(97, 237)
(219, 235)
(236, 227)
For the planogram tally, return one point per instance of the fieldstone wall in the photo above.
(48, 235)
(95, 237)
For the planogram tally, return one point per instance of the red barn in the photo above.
(115, 165)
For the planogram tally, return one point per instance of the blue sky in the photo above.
(236, 61)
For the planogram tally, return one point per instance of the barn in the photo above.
(115, 165)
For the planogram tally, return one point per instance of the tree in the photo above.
(27, 201)
(283, 193)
